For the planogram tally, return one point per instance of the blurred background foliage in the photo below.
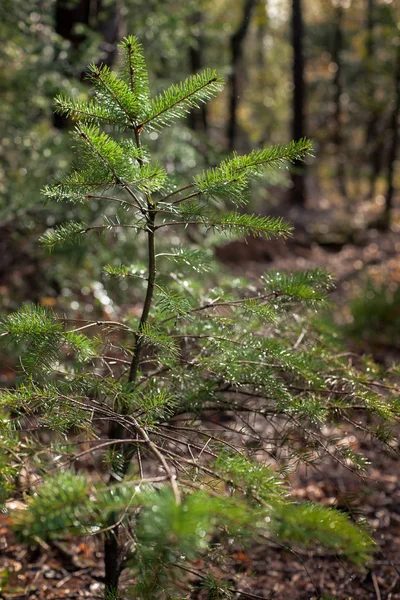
(328, 69)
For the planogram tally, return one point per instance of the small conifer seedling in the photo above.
(195, 411)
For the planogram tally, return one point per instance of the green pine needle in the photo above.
(65, 235)
(157, 337)
(231, 178)
(134, 72)
(310, 523)
(179, 99)
(237, 224)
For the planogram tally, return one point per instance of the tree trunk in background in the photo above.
(338, 91)
(298, 194)
(370, 42)
(262, 29)
(198, 117)
(236, 44)
(393, 150)
(372, 137)
(100, 16)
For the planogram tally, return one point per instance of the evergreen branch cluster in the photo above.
(184, 404)
(230, 180)
(42, 337)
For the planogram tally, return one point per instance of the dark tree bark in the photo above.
(393, 150)
(198, 118)
(236, 44)
(370, 41)
(112, 562)
(372, 134)
(338, 91)
(370, 53)
(102, 17)
(298, 194)
(262, 21)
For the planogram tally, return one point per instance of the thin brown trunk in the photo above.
(236, 44)
(298, 124)
(112, 546)
(112, 561)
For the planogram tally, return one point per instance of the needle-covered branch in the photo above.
(206, 389)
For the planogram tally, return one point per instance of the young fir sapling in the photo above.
(214, 393)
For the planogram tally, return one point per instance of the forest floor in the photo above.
(73, 569)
